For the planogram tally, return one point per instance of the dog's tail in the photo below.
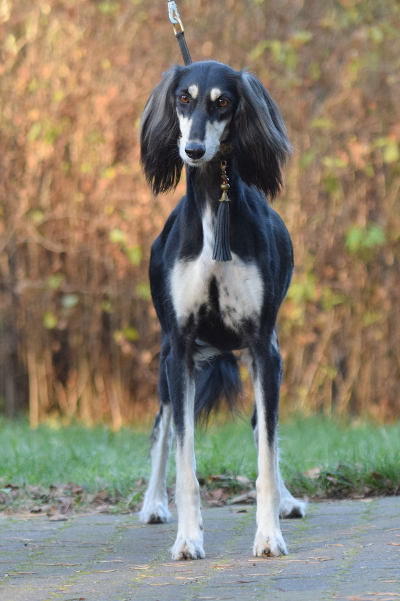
(216, 380)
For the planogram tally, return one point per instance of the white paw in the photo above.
(154, 513)
(292, 508)
(187, 549)
(269, 546)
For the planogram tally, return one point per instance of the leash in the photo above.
(222, 249)
(180, 35)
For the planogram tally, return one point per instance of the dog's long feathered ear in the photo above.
(260, 141)
(159, 136)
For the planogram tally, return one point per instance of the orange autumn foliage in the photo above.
(79, 337)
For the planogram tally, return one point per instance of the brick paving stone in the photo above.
(342, 550)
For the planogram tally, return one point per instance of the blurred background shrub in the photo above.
(79, 337)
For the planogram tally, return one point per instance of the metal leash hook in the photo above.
(180, 35)
(174, 16)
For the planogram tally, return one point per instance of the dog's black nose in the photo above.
(195, 150)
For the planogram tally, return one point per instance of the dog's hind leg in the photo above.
(189, 540)
(289, 507)
(155, 504)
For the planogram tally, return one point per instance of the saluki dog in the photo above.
(211, 117)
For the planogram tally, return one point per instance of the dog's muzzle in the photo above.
(195, 150)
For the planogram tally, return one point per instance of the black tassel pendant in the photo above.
(222, 250)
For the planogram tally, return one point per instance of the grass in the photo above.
(319, 458)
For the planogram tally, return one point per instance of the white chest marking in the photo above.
(239, 284)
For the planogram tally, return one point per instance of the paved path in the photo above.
(342, 550)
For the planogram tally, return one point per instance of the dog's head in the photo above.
(203, 110)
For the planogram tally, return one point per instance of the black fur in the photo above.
(217, 380)
(256, 150)
(199, 115)
(159, 135)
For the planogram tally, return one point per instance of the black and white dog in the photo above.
(199, 115)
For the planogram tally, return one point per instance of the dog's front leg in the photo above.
(266, 373)
(189, 540)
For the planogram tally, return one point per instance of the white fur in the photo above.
(193, 91)
(213, 136)
(268, 540)
(185, 125)
(189, 540)
(289, 506)
(215, 93)
(155, 504)
(239, 284)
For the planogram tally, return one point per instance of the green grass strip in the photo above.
(320, 458)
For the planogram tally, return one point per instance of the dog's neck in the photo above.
(204, 184)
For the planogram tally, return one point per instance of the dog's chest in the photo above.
(232, 289)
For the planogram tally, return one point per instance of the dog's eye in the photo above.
(222, 102)
(184, 98)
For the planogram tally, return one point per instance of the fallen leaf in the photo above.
(111, 561)
(218, 494)
(334, 545)
(77, 490)
(103, 508)
(35, 491)
(313, 473)
(57, 517)
(59, 564)
(244, 480)
(239, 499)
(332, 479)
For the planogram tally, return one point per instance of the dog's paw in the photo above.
(154, 513)
(269, 546)
(292, 508)
(187, 549)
